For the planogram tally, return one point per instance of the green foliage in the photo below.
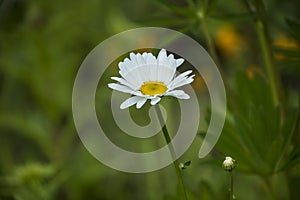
(42, 45)
(255, 134)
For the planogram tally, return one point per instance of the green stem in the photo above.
(172, 151)
(231, 185)
(270, 188)
(272, 72)
(261, 26)
(208, 39)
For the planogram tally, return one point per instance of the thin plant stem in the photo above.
(209, 41)
(269, 187)
(273, 75)
(258, 10)
(172, 151)
(231, 185)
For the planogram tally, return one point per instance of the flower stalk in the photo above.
(229, 165)
(231, 186)
(209, 41)
(172, 151)
(258, 10)
(272, 72)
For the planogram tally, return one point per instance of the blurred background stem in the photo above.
(269, 187)
(209, 41)
(257, 8)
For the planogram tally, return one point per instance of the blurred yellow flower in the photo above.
(285, 42)
(228, 40)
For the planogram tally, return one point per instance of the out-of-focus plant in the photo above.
(262, 125)
(32, 181)
(43, 44)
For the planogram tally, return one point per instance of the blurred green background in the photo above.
(42, 44)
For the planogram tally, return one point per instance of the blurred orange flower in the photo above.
(228, 40)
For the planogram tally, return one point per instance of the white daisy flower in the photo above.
(147, 77)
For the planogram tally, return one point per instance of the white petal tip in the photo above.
(125, 105)
(110, 85)
(122, 108)
(179, 62)
(183, 96)
(155, 101)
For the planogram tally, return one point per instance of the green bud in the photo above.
(183, 166)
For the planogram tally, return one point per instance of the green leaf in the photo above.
(253, 132)
(233, 17)
(187, 163)
(288, 52)
(210, 7)
(295, 28)
(184, 11)
(163, 21)
(206, 191)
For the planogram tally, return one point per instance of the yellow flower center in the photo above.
(153, 87)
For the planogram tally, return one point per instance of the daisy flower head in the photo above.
(148, 77)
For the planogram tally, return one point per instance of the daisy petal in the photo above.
(131, 78)
(122, 66)
(130, 101)
(123, 82)
(162, 57)
(150, 59)
(180, 94)
(155, 100)
(184, 73)
(141, 102)
(165, 73)
(179, 62)
(183, 82)
(145, 54)
(178, 79)
(128, 63)
(122, 88)
(171, 61)
(142, 72)
(133, 59)
(140, 60)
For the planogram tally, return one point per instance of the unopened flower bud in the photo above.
(181, 166)
(229, 163)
